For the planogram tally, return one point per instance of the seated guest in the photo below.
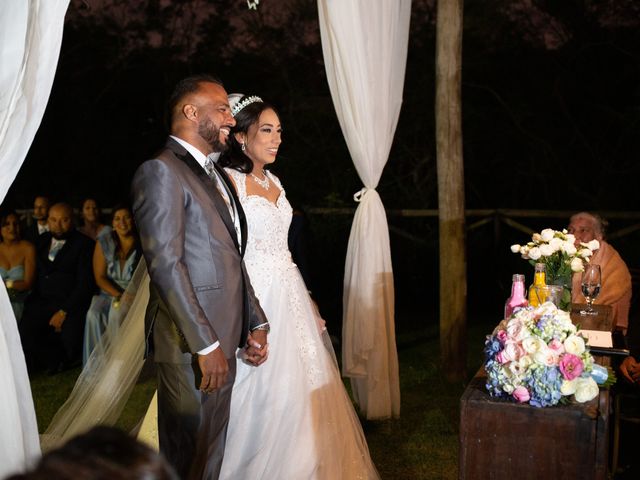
(114, 260)
(39, 226)
(91, 226)
(616, 280)
(17, 261)
(52, 325)
(102, 453)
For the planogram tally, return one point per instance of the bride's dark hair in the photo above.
(234, 157)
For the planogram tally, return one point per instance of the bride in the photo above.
(291, 418)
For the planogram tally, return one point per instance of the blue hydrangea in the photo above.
(491, 347)
(494, 380)
(544, 385)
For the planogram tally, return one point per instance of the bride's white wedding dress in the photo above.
(291, 417)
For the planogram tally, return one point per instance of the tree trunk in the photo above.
(453, 285)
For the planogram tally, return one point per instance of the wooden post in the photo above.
(453, 284)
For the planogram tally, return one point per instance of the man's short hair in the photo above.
(189, 85)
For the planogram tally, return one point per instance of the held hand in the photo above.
(257, 349)
(630, 369)
(214, 368)
(57, 320)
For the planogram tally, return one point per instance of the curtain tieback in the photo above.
(359, 195)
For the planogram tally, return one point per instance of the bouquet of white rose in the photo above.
(557, 250)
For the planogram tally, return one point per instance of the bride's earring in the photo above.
(242, 147)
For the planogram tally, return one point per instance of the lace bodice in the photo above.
(268, 224)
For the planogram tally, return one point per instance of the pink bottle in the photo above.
(517, 298)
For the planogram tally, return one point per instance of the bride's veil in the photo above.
(106, 381)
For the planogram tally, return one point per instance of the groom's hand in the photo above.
(214, 368)
(257, 349)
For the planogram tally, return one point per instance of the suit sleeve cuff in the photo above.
(209, 349)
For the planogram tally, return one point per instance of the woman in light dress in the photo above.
(115, 258)
(291, 418)
(17, 261)
(91, 226)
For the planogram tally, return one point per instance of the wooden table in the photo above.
(500, 439)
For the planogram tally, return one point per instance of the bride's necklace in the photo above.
(264, 183)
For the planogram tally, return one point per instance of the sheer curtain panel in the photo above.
(364, 43)
(30, 38)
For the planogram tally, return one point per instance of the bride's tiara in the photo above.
(247, 101)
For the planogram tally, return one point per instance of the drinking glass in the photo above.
(590, 287)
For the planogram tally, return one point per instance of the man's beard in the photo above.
(61, 235)
(211, 134)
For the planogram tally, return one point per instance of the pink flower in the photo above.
(521, 394)
(502, 336)
(556, 346)
(502, 358)
(571, 366)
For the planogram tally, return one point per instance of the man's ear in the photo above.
(190, 111)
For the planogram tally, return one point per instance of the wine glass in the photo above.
(590, 287)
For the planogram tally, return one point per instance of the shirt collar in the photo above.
(199, 157)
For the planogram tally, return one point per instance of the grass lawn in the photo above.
(421, 444)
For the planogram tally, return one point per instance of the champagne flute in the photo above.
(590, 287)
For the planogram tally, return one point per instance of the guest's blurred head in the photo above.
(200, 113)
(40, 208)
(9, 226)
(89, 211)
(103, 453)
(258, 129)
(587, 226)
(60, 220)
(122, 221)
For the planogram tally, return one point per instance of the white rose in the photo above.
(515, 248)
(555, 243)
(568, 387)
(574, 344)
(593, 245)
(534, 253)
(586, 389)
(547, 234)
(533, 344)
(546, 357)
(569, 248)
(576, 264)
(585, 253)
(570, 237)
(546, 250)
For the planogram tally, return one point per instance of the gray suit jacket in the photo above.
(200, 292)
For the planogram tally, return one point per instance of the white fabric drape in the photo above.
(365, 51)
(30, 38)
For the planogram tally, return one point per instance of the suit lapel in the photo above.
(210, 187)
(241, 216)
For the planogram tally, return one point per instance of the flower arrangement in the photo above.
(557, 250)
(539, 357)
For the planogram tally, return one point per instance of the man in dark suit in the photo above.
(202, 306)
(52, 325)
(39, 225)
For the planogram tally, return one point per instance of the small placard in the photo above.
(598, 338)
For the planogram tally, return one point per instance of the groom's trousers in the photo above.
(192, 425)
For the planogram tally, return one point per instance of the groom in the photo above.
(202, 305)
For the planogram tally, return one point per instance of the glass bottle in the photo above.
(517, 298)
(539, 280)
